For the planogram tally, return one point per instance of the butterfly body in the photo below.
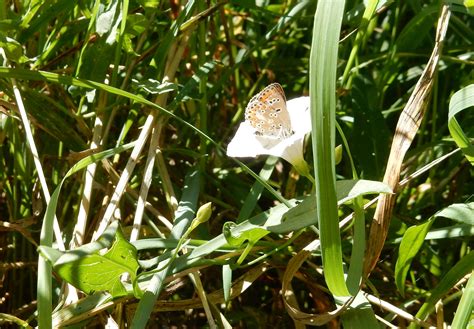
(267, 113)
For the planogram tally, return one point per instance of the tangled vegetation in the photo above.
(121, 204)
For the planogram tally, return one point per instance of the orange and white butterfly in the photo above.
(267, 113)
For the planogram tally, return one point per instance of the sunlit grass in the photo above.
(131, 106)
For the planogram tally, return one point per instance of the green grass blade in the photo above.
(466, 306)
(183, 218)
(459, 270)
(323, 65)
(44, 294)
(256, 190)
(361, 34)
(461, 100)
(226, 281)
(354, 275)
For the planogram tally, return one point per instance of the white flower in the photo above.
(246, 143)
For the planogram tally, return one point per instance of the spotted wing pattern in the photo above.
(267, 112)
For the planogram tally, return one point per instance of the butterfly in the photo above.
(267, 113)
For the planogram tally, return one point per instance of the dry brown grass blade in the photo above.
(407, 127)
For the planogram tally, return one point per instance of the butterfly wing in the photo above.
(267, 112)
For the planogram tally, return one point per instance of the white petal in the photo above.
(300, 116)
(290, 149)
(245, 143)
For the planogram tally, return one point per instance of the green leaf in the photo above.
(322, 88)
(416, 31)
(226, 281)
(149, 3)
(458, 271)
(13, 49)
(370, 135)
(50, 254)
(237, 237)
(454, 231)
(40, 13)
(409, 247)
(105, 22)
(98, 271)
(55, 119)
(347, 190)
(136, 24)
(302, 215)
(78, 309)
(460, 101)
(465, 309)
(256, 191)
(360, 314)
(355, 272)
(154, 87)
(305, 214)
(459, 212)
(97, 56)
